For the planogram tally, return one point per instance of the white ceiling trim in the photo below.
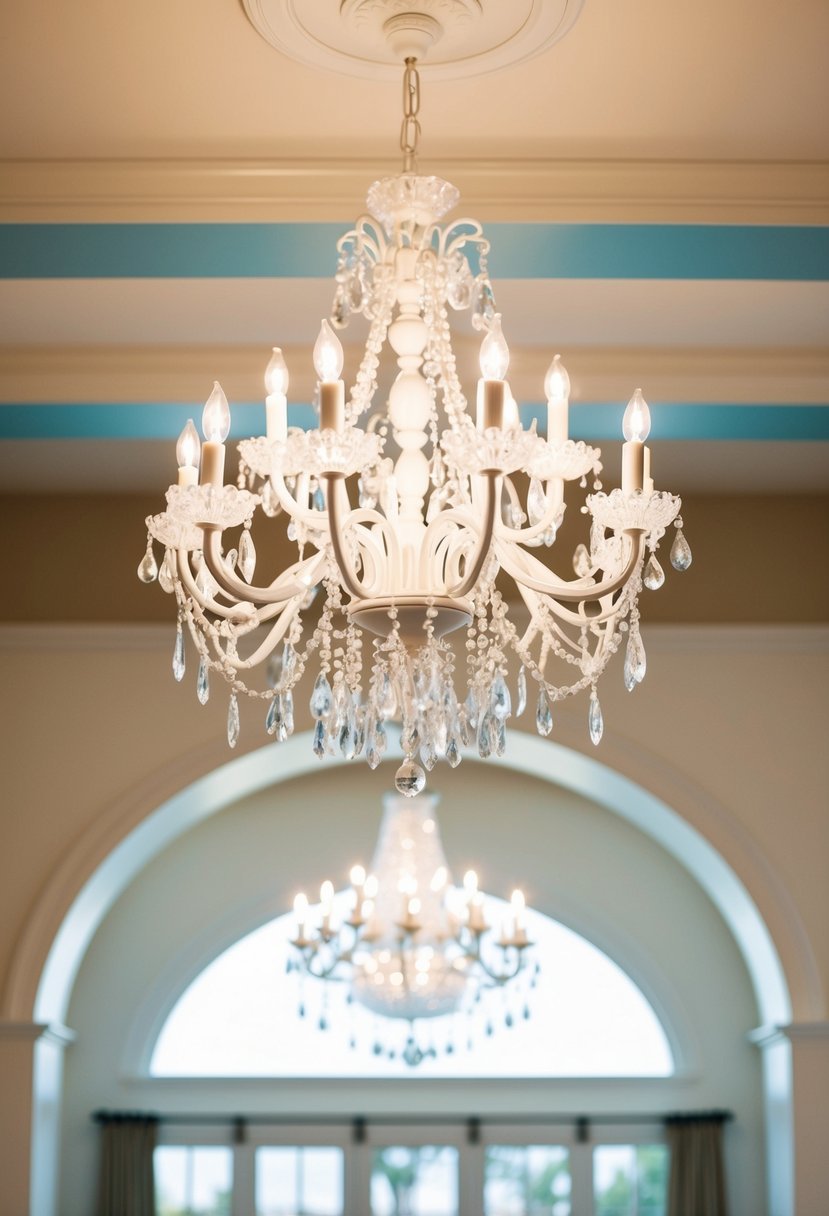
(634, 191)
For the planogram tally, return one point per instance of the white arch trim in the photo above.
(109, 856)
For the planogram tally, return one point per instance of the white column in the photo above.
(31, 1074)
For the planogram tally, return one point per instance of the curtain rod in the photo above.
(340, 1120)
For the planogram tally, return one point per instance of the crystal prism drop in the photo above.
(288, 712)
(321, 697)
(654, 575)
(635, 660)
(202, 682)
(231, 559)
(453, 751)
(500, 738)
(471, 706)
(270, 503)
(521, 704)
(500, 701)
(428, 753)
(166, 574)
(288, 664)
(319, 739)
(270, 717)
(409, 779)
(681, 556)
(147, 568)
(233, 721)
(178, 655)
(536, 501)
(438, 470)
(543, 713)
(595, 721)
(485, 735)
(247, 556)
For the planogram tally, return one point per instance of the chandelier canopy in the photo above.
(453, 502)
(413, 946)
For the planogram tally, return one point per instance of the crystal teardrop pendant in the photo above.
(319, 739)
(536, 501)
(635, 660)
(178, 654)
(288, 712)
(581, 561)
(321, 697)
(543, 713)
(521, 703)
(232, 721)
(270, 717)
(247, 556)
(166, 580)
(203, 682)
(681, 556)
(453, 751)
(409, 779)
(147, 568)
(654, 575)
(595, 721)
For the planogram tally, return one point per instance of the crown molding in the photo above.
(633, 191)
(107, 374)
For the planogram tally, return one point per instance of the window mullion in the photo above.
(471, 1162)
(243, 1201)
(581, 1179)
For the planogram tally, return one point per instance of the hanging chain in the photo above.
(410, 129)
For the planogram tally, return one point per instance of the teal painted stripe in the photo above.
(593, 422)
(522, 251)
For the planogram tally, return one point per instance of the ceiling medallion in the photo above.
(455, 502)
(372, 37)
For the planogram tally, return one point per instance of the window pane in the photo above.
(299, 1182)
(630, 1180)
(193, 1181)
(415, 1181)
(532, 1180)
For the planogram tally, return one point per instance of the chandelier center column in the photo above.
(410, 407)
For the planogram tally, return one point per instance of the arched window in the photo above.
(239, 1018)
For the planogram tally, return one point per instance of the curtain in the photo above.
(696, 1185)
(126, 1186)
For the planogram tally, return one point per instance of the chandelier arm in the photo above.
(191, 586)
(317, 521)
(554, 503)
(353, 585)
(541, 628)
(472, 575)
(275, 634)
(390, 556)
(447, 247)
(575, 591)
(275, 594)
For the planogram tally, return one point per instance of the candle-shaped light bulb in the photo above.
(216, 416)
(636, 423)
(300, 906)
(326, 892)
(328, 354)
(470, 882)
(518, 902)
(557, 382)
(494, 352)
(188, 447)
(357, 876)
(512, 418)
(414, 906)
(276, 374)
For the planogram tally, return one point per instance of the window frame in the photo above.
(454, 1133)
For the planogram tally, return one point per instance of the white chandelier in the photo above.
(412, 946)
(452, 502)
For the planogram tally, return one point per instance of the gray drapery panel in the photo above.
(696, 1185)
(126, 1186)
